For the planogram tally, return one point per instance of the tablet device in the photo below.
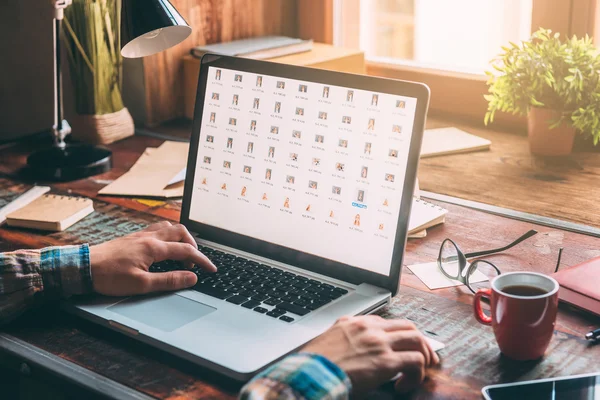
(564, 388)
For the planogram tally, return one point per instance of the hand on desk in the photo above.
(372, 350)
(120, 267)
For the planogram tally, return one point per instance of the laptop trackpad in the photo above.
(165, 312)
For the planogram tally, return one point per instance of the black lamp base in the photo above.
(75, 161)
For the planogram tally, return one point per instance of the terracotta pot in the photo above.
(545, 141)
(103, 129)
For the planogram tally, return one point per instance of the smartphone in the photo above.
(564, 388)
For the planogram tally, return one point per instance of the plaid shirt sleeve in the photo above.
(27, 277)
(299, 376)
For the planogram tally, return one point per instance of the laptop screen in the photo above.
(293, 162)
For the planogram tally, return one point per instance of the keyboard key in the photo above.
(317, 304)
(301, 303)
(276, 313)
(223, 285)
(251, 304)
(286, 319)
(262, 290)
(326, 286)
(313, 289)
(212, 291)
(237, 299)
(285, 288)
(247, 293)
(272, 301)
(260, 310)
(260, 297)
(300, 285)
(293, 308)
(340, 290)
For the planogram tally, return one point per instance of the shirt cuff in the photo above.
(302, 375)
(66, 269)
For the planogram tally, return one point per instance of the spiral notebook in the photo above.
(425, 215)
(51, 213)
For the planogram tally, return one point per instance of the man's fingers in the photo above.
(168, 281)
(410, 340)
(390, 325)
(413, 372)
(175, 233)
(401, 325)
(182, 252)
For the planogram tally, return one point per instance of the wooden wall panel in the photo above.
(315, 20)
(212, 21)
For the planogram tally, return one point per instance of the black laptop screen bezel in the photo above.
(283, 254)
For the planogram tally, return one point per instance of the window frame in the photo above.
(452, 93)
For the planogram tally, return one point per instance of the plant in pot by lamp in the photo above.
(555, 82)
(92, 32)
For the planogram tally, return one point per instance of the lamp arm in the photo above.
(61, 127)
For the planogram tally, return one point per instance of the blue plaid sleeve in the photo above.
(299, 376)
(53, 271)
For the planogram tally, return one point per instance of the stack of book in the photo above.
(258, 48)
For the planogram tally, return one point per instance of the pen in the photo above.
(593, 335)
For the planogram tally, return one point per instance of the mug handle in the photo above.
(479, 314)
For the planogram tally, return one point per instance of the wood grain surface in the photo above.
(470, 361)
(510, 176)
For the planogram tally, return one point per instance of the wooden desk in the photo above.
(51, 340)
(509, 176)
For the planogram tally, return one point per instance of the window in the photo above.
(460, 35)
(449, 44)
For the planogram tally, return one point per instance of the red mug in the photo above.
(524, 307)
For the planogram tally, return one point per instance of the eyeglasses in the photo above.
(452, 262)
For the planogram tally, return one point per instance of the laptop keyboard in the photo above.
(258, 287)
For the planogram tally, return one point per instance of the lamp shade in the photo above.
(150, 26)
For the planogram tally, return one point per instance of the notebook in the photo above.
(425, 215)
(51, 213)
(450, 140)
(580, 285)
(258, 48)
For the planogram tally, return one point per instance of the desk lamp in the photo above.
(147, 27)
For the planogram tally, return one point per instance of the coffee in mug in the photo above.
(523, 307)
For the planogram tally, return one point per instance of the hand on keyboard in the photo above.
(120, 267)
(266, 290)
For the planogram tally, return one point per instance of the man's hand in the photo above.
(120, 267)
(372, 350)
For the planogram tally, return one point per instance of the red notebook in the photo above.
(580, 285)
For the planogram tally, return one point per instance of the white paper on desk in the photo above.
(179, 177)
(152, 173)
(430, 275)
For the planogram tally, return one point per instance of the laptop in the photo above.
(299, 186)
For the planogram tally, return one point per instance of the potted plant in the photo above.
(92, 35)
(554, 82)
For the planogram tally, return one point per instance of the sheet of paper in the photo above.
(430, 275)
(418, 234)
(435, 345)
(450, 140)
(179, 177)
(145, 182)
(157, 173)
